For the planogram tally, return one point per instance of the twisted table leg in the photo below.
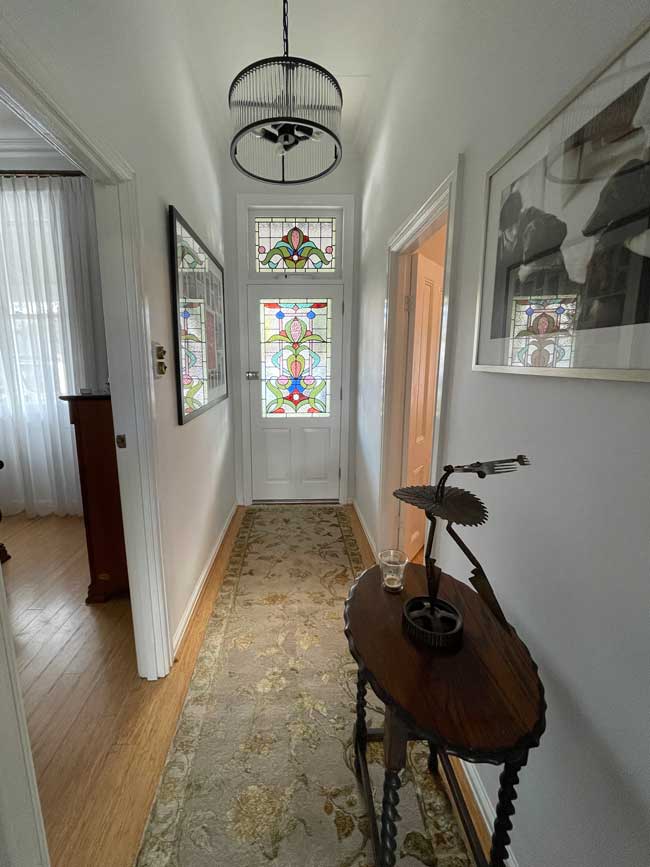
(389, 819)
(361, 730)
(362, 686)
(395, 742)
(433, 759)
(505, 809)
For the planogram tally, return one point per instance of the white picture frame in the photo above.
(573, 170)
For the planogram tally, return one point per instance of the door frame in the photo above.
(445, 198)
(411, 310)
(127, 337)
(22, 837)
(247, 202)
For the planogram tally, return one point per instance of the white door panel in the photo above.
(295, 353)
(316, 443)
(277, 455)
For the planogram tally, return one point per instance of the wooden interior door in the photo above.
(426, 312)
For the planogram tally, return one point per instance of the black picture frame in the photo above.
(199, 321)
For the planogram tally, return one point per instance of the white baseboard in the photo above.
(196, 593)
(485, 805)
(363, 523)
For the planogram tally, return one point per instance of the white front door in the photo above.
(294, 377)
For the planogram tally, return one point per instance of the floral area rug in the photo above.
(260, 771)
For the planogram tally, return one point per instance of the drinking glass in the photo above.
(392, 563)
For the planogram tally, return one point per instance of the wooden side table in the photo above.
(483, 703)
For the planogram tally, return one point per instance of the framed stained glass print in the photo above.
(565, 280)
(199, 321)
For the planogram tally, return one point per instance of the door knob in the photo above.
(252, 374)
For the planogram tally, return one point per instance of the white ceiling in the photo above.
(347, 38)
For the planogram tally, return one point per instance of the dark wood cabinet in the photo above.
(93, 424)
(4, 554)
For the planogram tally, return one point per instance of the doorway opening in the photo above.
(62, 541)
(296, 275)
(59, 650)
(426, 269)
(416, 347)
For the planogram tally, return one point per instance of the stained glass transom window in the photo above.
(295, 244)
(542, 331)
(296, 356)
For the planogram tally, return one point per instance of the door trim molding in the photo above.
(446, 197)
(127, 330)
(243, 444)
(20, 89)
(22, 831)
(21, 74)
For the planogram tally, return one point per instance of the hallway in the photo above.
(261, 769)
(267, 181)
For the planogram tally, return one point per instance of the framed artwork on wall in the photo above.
(199, 321)
(565, 276)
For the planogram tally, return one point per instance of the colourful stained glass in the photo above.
(295, 243)
(296, 356)
(201, 323)
(193, 355)
(542, 331)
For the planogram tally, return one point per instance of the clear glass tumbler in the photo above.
(392, 563)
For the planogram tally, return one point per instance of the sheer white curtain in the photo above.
(51, 336)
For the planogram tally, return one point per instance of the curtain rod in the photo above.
(41, 174)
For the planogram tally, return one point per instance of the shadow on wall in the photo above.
(599, 785)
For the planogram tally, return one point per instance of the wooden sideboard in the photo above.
(92, 418)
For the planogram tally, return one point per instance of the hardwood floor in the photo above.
(99, 733)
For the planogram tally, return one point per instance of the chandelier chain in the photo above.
(285, 27)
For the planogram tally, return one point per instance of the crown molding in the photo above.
(17, 148)
(21, 74)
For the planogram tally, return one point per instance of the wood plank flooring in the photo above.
(100, 734)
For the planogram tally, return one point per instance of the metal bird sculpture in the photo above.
(457, 506)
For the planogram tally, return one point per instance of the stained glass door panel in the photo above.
(294, 386)
(296, 342)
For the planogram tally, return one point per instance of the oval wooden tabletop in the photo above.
(484, 701)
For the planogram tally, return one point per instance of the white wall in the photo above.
(567, 545)
(120, 71)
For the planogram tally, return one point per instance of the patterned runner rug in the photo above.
(260, 771)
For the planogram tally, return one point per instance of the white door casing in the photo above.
(22, 834)
(127, 337)
(295, 455)
(406, 239)
(343, 206)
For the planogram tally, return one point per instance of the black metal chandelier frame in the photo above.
(289, 65)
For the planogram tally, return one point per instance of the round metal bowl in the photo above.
(433, 623)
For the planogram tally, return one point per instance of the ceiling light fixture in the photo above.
(286, 113)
